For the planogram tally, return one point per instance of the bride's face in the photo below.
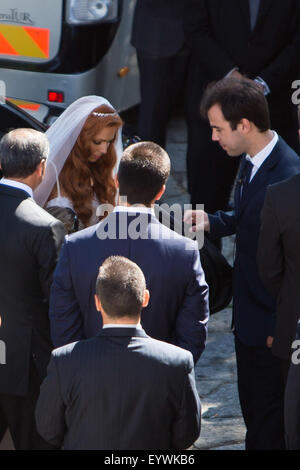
(101, 142)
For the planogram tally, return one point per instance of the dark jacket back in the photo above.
(29, 239)
(279, 259)
(119, 391)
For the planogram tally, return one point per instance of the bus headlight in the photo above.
(91, 11)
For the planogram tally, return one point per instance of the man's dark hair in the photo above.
(120, 287)
(238, 98)
(21, 150)
(143, 170)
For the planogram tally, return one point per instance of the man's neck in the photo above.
(259, 142)
(121, 321)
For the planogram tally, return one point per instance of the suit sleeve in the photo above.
(50, 408)
(47, 248)
(222, 224)
(215, 61)
(192, 318)
(65, 314)
(269, 254)
(187, 425)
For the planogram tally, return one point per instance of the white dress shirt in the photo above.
(121, 325)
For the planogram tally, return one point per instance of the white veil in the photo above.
(62, 136)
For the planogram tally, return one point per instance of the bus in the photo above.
(52, 52)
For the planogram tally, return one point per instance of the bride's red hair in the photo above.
(80, 179)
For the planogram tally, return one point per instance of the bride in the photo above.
(85, 150)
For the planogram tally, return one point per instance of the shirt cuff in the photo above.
(260, 81)
(231, 71)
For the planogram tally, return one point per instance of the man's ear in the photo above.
(160, 193)
(146, 298)
(40, 169)
(117, 181)
(97, 303)
(245, 125)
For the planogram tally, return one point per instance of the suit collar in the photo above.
(17, 185)
(133, 210)
(13, 192)
(127, 332)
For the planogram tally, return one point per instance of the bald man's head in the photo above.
(21, 151)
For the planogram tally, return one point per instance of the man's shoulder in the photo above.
(166, 352)
(287, 187)
(83, 235)
(35, 216)
(287, 153)
(149, 349)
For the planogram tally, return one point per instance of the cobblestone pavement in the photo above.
(222, 422)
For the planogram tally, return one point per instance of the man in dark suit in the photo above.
(238, 114)
(30, 240)
(278, 259)
(157, 35)
(178, 311)
(121, 390)
(256, 38)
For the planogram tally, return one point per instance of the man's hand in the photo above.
(198, 219)
(269, 341)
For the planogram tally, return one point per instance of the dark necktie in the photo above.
(246, 176)
(253, 7)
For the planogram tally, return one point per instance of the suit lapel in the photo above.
(264, 7)
(243, 5)
(260, 178)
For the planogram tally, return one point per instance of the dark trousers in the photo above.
(261, 393)
(292, 408)
(17, 414)
(162, 79)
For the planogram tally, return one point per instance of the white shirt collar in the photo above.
(261, 156)
(17, 185)
(135, 209)
(123, 325)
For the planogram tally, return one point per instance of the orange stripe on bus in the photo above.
(40, 36)
(5, 47)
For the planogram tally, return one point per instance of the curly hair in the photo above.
(80, 179)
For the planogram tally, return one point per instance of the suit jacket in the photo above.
(119, 391)
(158, 27)
(219, 35)
(30, 240)
(253, 307)
(278, 259)
(178, 308)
